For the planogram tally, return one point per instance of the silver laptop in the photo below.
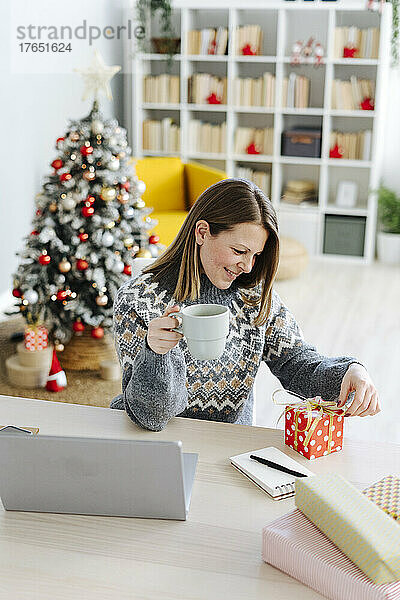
(93, 476)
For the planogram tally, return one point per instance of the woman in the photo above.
(226, 252)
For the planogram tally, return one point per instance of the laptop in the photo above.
(95, 476)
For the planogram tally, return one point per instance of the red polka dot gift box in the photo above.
(314, 428)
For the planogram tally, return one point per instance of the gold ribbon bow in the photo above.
(326, 407)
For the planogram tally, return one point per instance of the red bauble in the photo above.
(78, 326)
(38, 212)
(60, 139)
(44, 259)
(83, 237)
(34, 232)
(252, 149)
(336, 152)
(88, 211)
(57, 163)
(65, 176)
(128, 270)
(16, 292)
(97, 333)
(126, 185)
(61, 295)
(248, 50)
(81, 264)
(90, 199)
(154, 239)
(85, 150)
(213, 99)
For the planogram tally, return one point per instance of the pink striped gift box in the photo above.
(295, 545)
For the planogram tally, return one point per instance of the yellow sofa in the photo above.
(172, 188)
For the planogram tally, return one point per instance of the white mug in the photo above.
(205, 327)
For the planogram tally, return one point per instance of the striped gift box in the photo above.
(295, 545)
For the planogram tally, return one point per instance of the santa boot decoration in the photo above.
(56, 379)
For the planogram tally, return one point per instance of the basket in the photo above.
(166, 45)
(84, 353)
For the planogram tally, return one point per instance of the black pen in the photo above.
(273, 465)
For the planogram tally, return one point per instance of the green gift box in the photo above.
(367, 535)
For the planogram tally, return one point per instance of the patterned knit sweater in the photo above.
(157, 387)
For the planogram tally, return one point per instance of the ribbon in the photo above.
(323, 407)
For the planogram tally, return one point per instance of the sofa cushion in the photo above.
(164, 179)
(169, 223)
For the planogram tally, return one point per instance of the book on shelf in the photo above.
(207, 41)
(348, 95)
(363, 42)
(202, 85)
(161, 136)
(262, 179)
(295, 91)
(207, 137)
(161, 89)
(249, 36)
(259, 91)
(263, 139)
(353, 145)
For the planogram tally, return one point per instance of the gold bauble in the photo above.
(128, 242)
(101, 300)
(123, 197)
(139, 203)
(53, 207)
(107, 193)
(143, 253)
(74, 136)
(58, 347)
(64, 266)
(89, 175)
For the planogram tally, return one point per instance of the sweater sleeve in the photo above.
(153, 385)
(298, 365)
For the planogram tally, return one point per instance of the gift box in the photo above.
(385, 493)
(36, 337)
(314, 428)
(364, 532)
(293, 544)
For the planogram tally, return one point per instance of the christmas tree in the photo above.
(89, 223)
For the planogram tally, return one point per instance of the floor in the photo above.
(352, 310)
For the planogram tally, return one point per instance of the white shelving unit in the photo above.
(283, 23)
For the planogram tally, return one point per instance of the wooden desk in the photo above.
(216, 553)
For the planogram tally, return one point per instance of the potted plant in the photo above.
(168, 43)
(388, 236)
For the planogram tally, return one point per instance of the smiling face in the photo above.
(230, 253)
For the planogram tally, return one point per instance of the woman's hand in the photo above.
(160, 338)
(366, 400)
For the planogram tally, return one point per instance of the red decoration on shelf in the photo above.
(97, 333)
(85, 150)
(367, 104)
(126, 185)
(44, 259)
(82, 264)
(78, 326)
(212, 47)
(336, 152)
(65, 176)
(252, 149)
(57, 163)
(128, 270)
(16, 293)
(349, 51)
(56, 380)
(248, 50)
(154, 239)
(83, 237)
(213, 99)
(87, 211)
(62, 295)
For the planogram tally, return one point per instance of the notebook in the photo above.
(276, 483)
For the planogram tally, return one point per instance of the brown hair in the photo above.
(223, 205)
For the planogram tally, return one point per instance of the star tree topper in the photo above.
(97, 77)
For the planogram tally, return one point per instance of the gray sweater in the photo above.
(157, 387)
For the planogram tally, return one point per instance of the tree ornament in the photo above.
(126, 185)
(90, 199)
(52, 207)
(97, 126)
(141, 188)
(78, 327)
(128, 242)
(108, 193)
(89, 175)
(31, 296)
(68, 203)
(102, 300)
(107, 239)
(128, 270)
(65, 176)
(62, 295)
(83, 236)
(97, 77)
(154, 250)
(139, 203)
(34, 232)
(143, 253)
(59, 347)
(64, 266)
(44, 259)
(57, 164)
(87, 211)
(82, 264)
(16, 293)
(129, 212)
(74, 136)
(113, 165)
(86, 150)
(123, 197)
(59, 141)
(154, 239)
(97, 333)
